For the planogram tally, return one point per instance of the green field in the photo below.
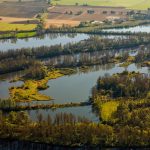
(19, 27)
(132, 4)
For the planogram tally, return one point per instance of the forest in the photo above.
(80, 131)
(126, 97)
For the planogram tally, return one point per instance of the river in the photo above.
(144, 28)
(66, 89)
(73, 88)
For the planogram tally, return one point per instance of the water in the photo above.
(77, 87)
(82, 111)
(66, 89)
(5, 83)
(11, 76)
(4, 88)
(144, 28)
(46, 40)
(74, 88)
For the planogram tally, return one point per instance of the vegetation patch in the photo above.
(108, 109)
(115, 97)
(18, 35)
(16, 27)
(7, 105)
(127, 62)
(146, 63)
(30, 90)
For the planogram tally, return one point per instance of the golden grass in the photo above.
(30, 90)
(61, 22)
(147, 63)
(108, 109)
(129, 61)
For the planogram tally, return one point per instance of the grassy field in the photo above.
(107, 110)
(20, 27)
(132, 4)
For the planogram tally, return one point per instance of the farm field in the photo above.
(23, 9)
(13, 27)
(81, 13)
(59, 23)
(25, 13)
(20, 16)
(131, 4)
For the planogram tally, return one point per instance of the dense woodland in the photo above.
(126, 98)
(142, 55)
(79, 131)
(124, 85)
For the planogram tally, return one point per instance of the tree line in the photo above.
(124, 85)
(72, 131)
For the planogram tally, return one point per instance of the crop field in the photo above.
(20, 15)
(13, 27)
(81, 13)
(131, 4)
(22, 9)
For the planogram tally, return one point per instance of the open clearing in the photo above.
(22, 9)
(108, 109)
(59, 23)
(15, 20)
(85, 13)
(131, 4)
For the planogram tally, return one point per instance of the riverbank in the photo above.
(43, 106)
(18, 35)
(87, 29)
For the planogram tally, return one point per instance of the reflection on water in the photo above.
(12, 76)
(73, 88)
(46, 40)
(145, 28)
(77, 87)
(4, 88)
(5, 83)
(80, 111)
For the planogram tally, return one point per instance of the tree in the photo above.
(122, 113)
